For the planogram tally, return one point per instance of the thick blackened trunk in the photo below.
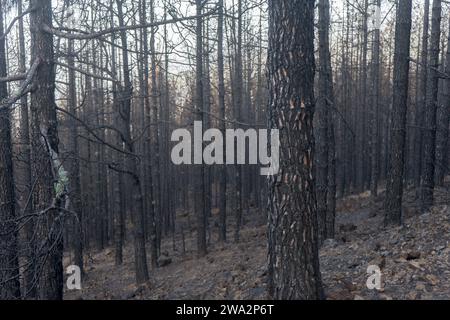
(9, 261)
(293, 235)
(394, 185)
(429, 135)
(44, 145)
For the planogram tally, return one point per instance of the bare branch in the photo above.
(81, 35)
(24, 87)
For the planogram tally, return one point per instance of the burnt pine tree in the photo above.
(376, 87)
(148, 177)
(223, 170)
(325, 170)
(25, 168)
(443, 118)
(238, 88)
(429, 135)
(140, 253)
(45, 153)
(293, 233)
(420, 108)
(9, 261)
(394, 184)
(200, 199)
(322, 110)
(74, 163)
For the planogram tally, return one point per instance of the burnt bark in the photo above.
(429, 135)
(293, 232)
(394, 184)
(9, 261)
(44, 146)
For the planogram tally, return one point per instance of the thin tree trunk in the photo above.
(420, 112)
(443, 118)
(199, 187)
(429, 136)
(155, 148)
(375, 108)
(394, 186)
(223, 169)
(237, 117)
(9, 259)
(30, 271)
(140, 255)
(74, 164)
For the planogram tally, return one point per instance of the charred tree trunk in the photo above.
(293, 235)
(148, 163)
(239, 83)
(140, 254)
(199, 187)
(74, 164)
(325, 170)
(223, 169)
(394, 186)
(420, 109)
(44, 145)
(155, 130)
(429, 136)
(443, 118)
(9, 259)
(30, 270)
(375, 144)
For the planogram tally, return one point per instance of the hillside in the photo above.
(414, 259)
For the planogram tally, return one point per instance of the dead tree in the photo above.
(293, 232)
(131, 168)
(394, 184)
(420, 108)
(429, 135)
(325, 152)
(443, 118)
(376, 94)
(47, 199)
(9, 261)
(223, 170)
(199, 186)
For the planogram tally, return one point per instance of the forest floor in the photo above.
(414, 259)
